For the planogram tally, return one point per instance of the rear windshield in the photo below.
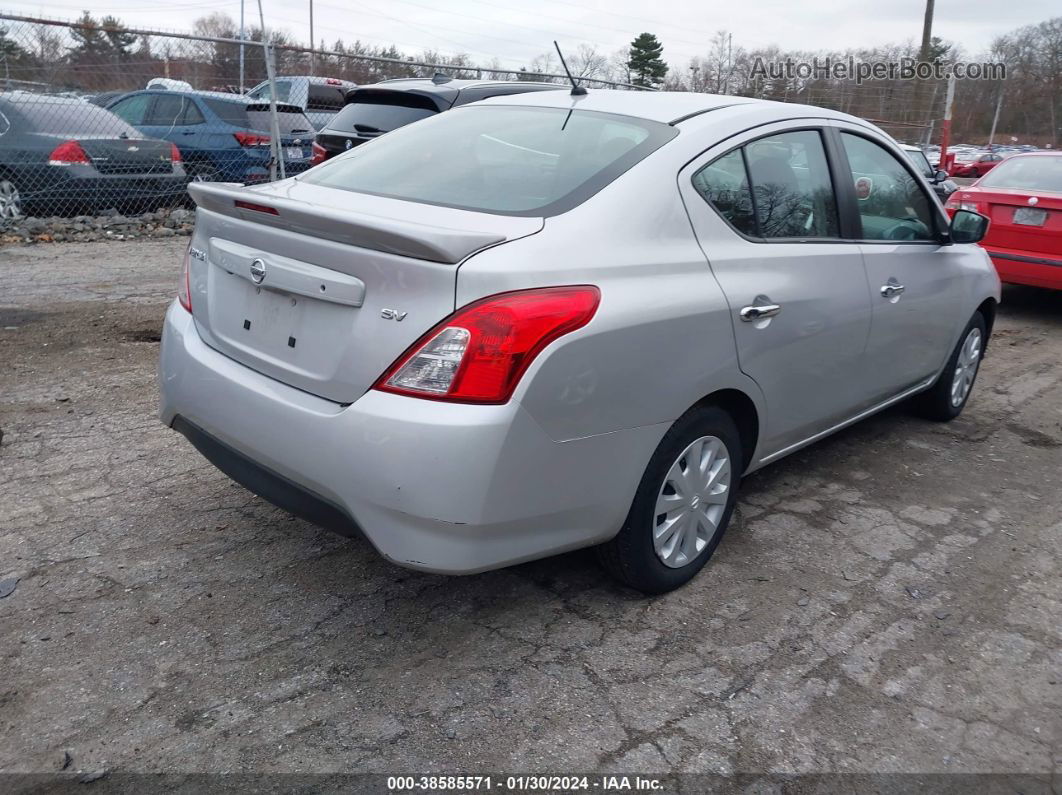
(1037, 172)
(256, 117)
(67, 117)
(377, 116)
(263, 92)
(497, 159)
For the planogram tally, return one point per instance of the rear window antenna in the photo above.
(577, 90)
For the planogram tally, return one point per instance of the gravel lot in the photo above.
(888, 600)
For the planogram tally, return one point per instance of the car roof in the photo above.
(669, 107)
(455, 84)
(17, 97)
(222, 95)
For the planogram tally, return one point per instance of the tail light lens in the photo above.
(175, 154)
(68, 153)
(251, 139)
(479, 353)
(954, 203)
(319, 154)
(184, 288)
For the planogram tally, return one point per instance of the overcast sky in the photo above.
(515, 32)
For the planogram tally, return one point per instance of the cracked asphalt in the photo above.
(887, 600)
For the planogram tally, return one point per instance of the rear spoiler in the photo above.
(380, 233)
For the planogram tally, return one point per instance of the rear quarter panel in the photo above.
(661, 339)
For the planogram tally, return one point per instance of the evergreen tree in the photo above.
(120, 40)
(644, 61)
(90, 43)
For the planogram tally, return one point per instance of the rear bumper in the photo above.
(1027, 267)
(442, 487)
(103, 189)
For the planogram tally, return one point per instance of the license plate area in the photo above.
(1030, 216)
(294, 153)
(289, 333)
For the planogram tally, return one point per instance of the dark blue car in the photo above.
(221, 136)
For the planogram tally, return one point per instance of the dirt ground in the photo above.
(887, 600)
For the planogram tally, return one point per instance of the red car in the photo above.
(1023, 200)
(978, 166)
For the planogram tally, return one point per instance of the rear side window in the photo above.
(498, 159)
(892, 205)
(774, 187)
(71, 117)
(167, 111)
(724, 184)
(324, 98)
(376, 112)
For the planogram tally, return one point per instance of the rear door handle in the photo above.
(759, 311)
(892, 289)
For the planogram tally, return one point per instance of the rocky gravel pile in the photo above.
(109, 226)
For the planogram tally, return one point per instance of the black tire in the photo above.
(936, 403)
(631, 556)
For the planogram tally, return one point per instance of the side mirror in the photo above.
(967, 227)
(940, 175)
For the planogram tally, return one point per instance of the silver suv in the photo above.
(544, 322)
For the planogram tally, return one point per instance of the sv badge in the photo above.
(393, 314)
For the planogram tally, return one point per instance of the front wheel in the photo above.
(945, 400)
(682, 506)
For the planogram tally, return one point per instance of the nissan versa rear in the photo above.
(547, 321)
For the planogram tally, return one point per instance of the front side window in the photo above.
(891, 203)
(774, 187)
(497, 159)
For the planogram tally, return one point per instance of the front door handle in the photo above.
(892, 289)
(759, 311)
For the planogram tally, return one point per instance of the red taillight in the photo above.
(251, 139)
(319, 154)
(479, 353)
(258, 208)
(175, 154)
(68, 153)
(184, 289)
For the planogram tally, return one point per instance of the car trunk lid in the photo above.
(321, 288)
(1022, 220)
(128, 155)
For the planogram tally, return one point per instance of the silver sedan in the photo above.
(547, 321)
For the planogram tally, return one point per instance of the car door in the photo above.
(763, 208)
(915, 280)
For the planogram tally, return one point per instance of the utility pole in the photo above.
(313, 44)
(945, 127)
(995, 118)
(923, 56)
(241, 45)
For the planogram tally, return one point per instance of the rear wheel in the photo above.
(682, 506)
(10, 200)
(945, 400)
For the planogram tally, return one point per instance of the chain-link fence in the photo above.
(101, 118)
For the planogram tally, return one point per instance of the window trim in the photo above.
(847, 187)
(823, 132)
